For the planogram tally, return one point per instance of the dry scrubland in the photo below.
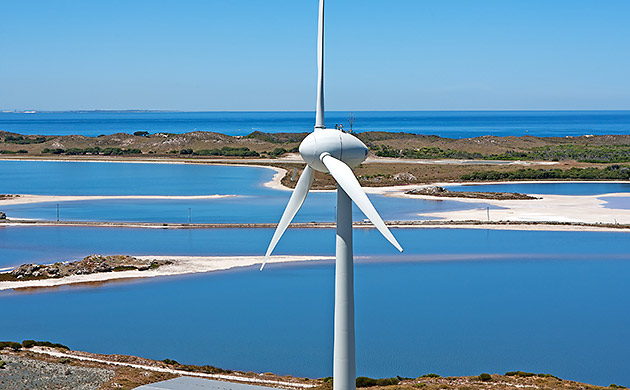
(396, 158)
(29, 366)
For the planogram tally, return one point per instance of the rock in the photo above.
(88, 265)
(25, 270)
(404, 176)
(3, 215)
(433, 190)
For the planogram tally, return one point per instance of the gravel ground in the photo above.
(29, 374)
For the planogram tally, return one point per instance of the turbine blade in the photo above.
(344, 176)
(295, 202)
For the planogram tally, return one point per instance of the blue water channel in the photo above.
(254, 202)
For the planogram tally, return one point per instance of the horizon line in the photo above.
(32, 111)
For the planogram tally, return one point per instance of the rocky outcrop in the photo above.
(443, 192)
(89, 265)
(404, 176)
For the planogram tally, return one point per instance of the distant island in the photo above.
(395, 158)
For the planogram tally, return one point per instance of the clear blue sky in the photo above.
(260, 55)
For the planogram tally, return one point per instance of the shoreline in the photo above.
(411, 224)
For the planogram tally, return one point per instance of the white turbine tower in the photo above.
(335, 152)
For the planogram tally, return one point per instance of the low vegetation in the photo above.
(10, 344)
(225, 151)
(33, 343)
(582, 153)
(612, 172)
(20, 151)
(95, 151)
(22, 140)
(193, 368)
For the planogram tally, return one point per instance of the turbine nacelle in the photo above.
(342, 146)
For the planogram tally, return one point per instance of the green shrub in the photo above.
(277, 152)
(65, 360)
(3, 364)
(548, 376)
(28, 343)
(430, 376)
(53, 151)
(364, 381)
(141, 133)
(121, 268)
(485, 377)
(170, 362)
(613, 172)
(583, 153)
(21, 151)
(10, 344)
(521, 374)
(21, 140)
(614, 386)
(387, 381)
(227, 151)
(33, 343)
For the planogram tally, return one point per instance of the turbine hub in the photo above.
(340, 145)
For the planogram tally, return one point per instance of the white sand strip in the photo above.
(549, 208)
(181, 265)
(26, 198)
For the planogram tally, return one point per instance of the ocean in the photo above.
(453, 124)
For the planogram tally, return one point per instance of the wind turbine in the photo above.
(335, 152)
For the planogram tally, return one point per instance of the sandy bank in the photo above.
(181, 265)
(587, 209)
(25, 198)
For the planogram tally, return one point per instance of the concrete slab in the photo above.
(189, 383)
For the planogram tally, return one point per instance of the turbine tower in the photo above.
(335, 152)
